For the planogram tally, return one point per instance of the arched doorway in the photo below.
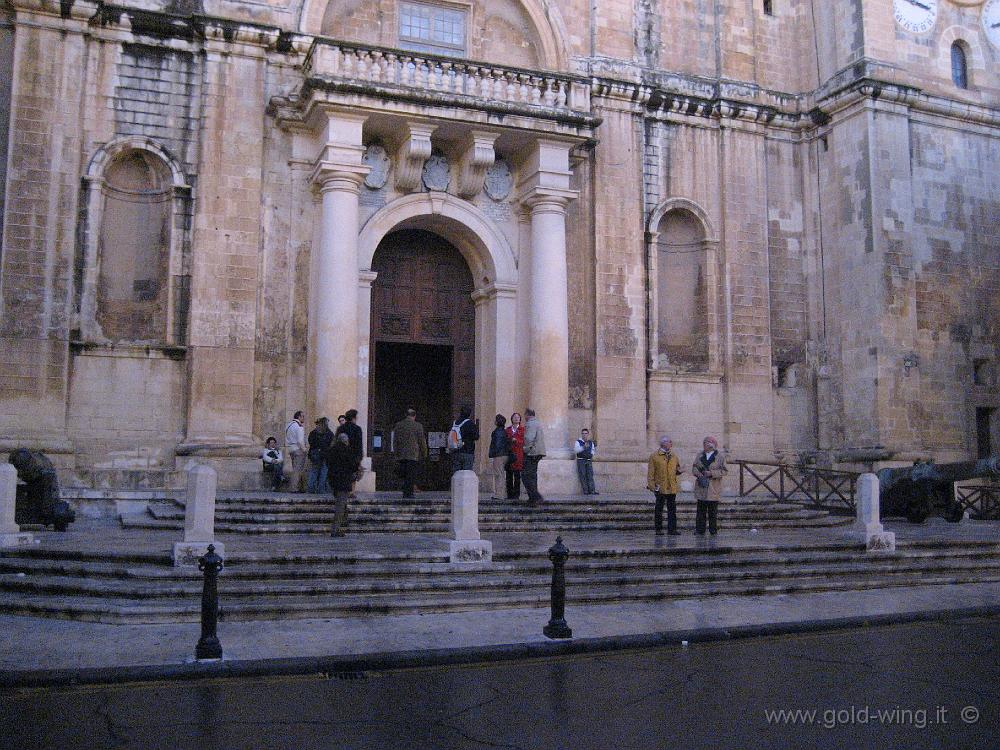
(423, 346)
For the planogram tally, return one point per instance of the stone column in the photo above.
(10, 533)
(199, 517)
(365, 281)
(867, 524)
(467, 546)
(338, 174)
(546, 193)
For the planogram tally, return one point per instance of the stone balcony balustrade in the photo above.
(439, 79)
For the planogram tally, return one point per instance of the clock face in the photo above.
(991, 22)
(916, 16)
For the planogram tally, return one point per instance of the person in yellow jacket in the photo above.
(661, 480)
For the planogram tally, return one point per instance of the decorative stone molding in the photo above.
(436, 174)
(477, 157)
(378, 162)
(410, 156)
(499, 180)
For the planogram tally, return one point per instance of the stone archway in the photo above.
(491, 262)
(422, 346)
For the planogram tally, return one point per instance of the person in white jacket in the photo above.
(585, 450)
(297, 449)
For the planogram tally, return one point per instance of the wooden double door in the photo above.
(423, 348)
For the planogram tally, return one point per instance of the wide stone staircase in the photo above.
(283, 513)
(142, 587)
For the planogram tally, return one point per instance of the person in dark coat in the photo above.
(356, 437)
(499, 452)
(341, 470)
(320, 439)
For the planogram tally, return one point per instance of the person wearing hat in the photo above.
(320, 439)
(708, 469)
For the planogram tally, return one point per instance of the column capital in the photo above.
(329, 176)
(548, 199)
(492, 291)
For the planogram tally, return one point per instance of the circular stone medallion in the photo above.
(376, 158)
(498, 180)
(437, 173)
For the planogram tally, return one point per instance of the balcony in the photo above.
(397, 75)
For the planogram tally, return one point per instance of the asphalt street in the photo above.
(922, 685)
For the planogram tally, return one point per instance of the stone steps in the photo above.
(108, 609)
(493, 578)
(351, 567)
(313, 515)
(291, 585)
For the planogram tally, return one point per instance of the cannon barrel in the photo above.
(915, 490)
(941, 473)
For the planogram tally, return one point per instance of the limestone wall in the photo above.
(851, 249)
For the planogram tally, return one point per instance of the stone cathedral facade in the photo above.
(774, 221)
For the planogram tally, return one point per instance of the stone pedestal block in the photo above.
(10, 533)
(199, 517)
(867, 524)
(557, 476)
(367, 482)
(467, 546)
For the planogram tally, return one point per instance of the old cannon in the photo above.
(918, 491)
(38, 500)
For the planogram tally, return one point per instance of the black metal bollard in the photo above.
(557, 627)
(208, 645)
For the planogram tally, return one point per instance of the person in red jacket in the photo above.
(515, 461)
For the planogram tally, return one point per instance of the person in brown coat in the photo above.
(708, 469)
(410, 446)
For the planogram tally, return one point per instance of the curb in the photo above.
(353, 666)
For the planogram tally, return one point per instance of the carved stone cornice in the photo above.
(411, 154)
(476, 158)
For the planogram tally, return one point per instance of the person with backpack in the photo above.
(462, 439)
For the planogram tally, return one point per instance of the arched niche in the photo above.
(131, 283)
(682, 289)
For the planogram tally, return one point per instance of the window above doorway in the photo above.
(435, 28)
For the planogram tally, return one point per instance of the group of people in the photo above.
(333, 460)
(514, 452)
(662, 479)
(334, 463)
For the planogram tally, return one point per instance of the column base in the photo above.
(470, 551)
(17, 539)
(186, 554)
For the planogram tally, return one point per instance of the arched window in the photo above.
(682, 335)
(959, 66)
(134, 248)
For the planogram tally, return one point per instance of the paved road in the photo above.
(926, 685)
